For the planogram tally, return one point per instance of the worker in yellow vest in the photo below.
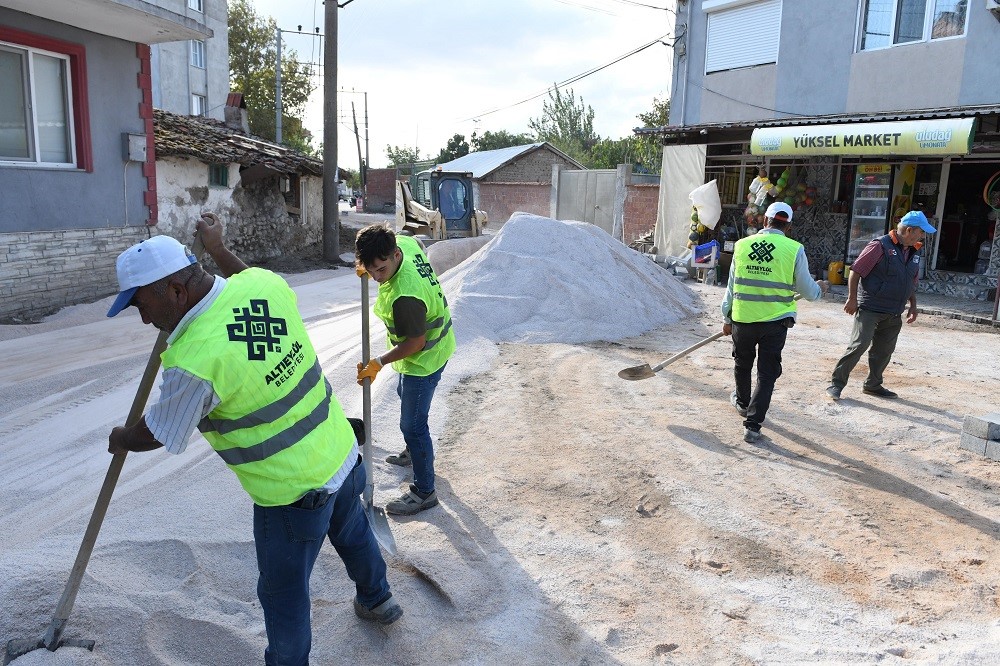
(241, 368)
(420, 341)
(758, 308)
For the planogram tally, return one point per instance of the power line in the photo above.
(572, 79)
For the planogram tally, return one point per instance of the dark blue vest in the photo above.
(890, 283)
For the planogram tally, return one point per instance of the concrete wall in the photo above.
(175, 80)
(259, 225)
(819, 73)
(37, 199)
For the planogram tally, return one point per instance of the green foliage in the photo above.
(609, 153)
(456, 147)
(401, 155)
(252, 59)
(496, 140)
(648, 151)
(566, 125)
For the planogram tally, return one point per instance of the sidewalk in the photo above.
(977, 312)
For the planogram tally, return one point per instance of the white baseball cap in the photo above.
(145, 263)
(777, 208)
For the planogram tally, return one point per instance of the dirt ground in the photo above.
(857, 531)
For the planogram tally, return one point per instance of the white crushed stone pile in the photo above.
(542, 280)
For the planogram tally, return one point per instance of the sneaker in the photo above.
(751, 436)
(411, 502)
(834, 391)
(742, 411)
(385, 613)
(880, 391)
(402, 458)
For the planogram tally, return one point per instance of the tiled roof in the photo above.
(210, 141)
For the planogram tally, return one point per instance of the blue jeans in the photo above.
(416, 394)
(288, 539)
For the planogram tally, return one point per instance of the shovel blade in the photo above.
(637, 372)
(18, 647)
(380, 528)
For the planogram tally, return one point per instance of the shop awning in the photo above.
(934, 136)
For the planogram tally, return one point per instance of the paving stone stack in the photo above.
(981, 434)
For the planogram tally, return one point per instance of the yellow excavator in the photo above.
(442, 207)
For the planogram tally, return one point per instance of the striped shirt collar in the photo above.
(199, 308)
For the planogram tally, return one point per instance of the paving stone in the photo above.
(975, 444)
(993, 450)
(984, 427)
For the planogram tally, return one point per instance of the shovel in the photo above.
(376, 514)
(53, 637)
(645, 372)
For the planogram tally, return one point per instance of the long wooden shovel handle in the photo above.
(65, 607)
(366, 407)
(679, 355)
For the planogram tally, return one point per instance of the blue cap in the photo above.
(917, 219)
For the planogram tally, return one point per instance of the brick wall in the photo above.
(640, 210)
(381, 190)
(535, 167)
(41, 272)
(500, 200)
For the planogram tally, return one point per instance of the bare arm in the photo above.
(407, 347)
(851, 306)
(210, 232)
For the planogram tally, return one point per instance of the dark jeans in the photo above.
(288, 540)
(878, 330)
(763, 341)
(416, 394)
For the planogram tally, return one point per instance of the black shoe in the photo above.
(833, 391)
(880, 391)
(386, 612)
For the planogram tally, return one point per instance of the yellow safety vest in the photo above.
(764, 278)
(278, 425)
(416, 278)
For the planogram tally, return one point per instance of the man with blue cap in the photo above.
(887, 272)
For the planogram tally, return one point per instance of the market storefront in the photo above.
(850, 179)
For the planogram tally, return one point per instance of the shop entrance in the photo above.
(965, 225)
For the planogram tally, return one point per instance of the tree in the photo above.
(648, 150)
(496, 140)
(401, 155)
(252, 60)
(456, 147)
(566, 125)
(609, 153)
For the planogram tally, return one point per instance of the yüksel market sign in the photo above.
(944, 136)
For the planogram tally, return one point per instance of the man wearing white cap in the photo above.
(886, 271)
(759, 307)
(241, 368)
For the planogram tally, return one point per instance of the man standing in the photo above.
(887, 271)
(759, 307)
(241, 368)
(416, 316)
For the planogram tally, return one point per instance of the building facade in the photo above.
(857, 113)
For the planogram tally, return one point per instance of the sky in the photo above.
(435, 68)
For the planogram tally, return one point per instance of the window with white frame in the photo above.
(198, 53)
(36, 119)
(199, 105)
(195, 5)
(892, 22)
(741, 34)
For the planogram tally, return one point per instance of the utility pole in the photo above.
(277, 90)
(364, 180)
(361, 165)
(331, 193)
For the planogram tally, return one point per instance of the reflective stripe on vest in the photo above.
(764, 278)
(416, 279)
(278, 425)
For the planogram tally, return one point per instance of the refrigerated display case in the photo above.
(870, 208)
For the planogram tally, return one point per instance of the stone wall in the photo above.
(43, 271)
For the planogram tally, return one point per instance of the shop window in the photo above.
(728, 45)
(893, 22)
(38, 110)
(198, 53)
(218, 175)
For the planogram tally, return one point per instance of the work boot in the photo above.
(833, 391)
(413, 501)
(880, 391)
(386, 612)
(742, 411)
(402, 458)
